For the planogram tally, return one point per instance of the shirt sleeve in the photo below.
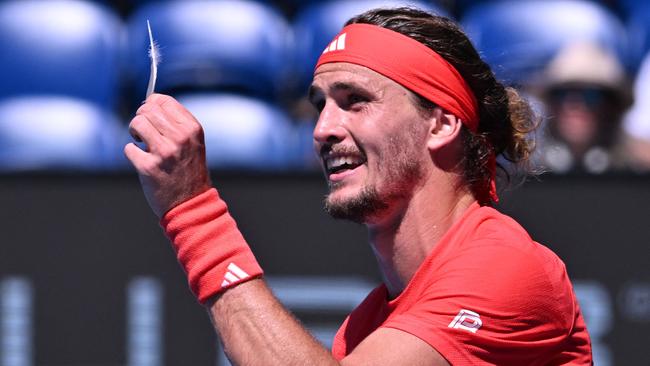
(493, 304)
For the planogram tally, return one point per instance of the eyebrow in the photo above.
(351, 87)
(338, 86)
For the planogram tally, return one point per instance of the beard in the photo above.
(397, 171)
(400, 174)
(357, 209)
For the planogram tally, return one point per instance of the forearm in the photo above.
(221, 269)
(224, 274)
(257, 330)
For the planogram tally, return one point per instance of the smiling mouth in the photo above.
(340, 162)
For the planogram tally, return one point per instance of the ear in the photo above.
(443, 130)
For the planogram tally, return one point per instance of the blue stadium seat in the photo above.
(317, 23)
(518, 38)
(306, 156)
(637, 120)
(465, 5)
(628, 7)
(48, 133)
(638, 25)
(231, 44)
(243, 132)
(62, 47)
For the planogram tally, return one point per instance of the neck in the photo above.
(403, 238)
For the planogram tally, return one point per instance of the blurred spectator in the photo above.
(636, 127)
(585, 93)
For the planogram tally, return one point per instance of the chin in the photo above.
(359, 207)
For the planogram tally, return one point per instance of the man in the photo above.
(586, 92)
(411, 121)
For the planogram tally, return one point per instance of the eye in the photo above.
(318, 103)
(356, 98)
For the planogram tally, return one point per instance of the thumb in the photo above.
(136, 156)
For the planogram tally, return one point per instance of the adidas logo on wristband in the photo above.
(234, 274)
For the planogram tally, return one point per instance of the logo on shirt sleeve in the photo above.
(467, 320)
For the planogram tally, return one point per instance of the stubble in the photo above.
(399, 173)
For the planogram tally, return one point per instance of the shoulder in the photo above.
(501, 246)
(494, 290)
(489, 224)
(361, 322)
(499, 262)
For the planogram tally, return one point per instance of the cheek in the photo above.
(393, 158)
(407, 142)
(395, 142)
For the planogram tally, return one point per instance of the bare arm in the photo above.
(256, 330)
(253, 326)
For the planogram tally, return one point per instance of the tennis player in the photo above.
(411, 123)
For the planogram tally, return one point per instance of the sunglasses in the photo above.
(591, 96)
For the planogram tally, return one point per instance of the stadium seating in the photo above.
(637, 120)
(317, 23)
(50, 133)
(464, 5)
(62, 47)
(628, 7)
(518, 38)
(234, 45)
(242, 132)
(638, 25)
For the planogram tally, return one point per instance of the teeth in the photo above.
(335, 162)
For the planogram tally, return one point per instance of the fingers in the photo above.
(179, 113)
(174, 167)
(160, 120)
(170, 117)
(166, 127)
(141, 160)
(176, 111)
(143, 130)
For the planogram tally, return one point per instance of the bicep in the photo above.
(388, 346)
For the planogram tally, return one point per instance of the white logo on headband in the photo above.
(337, 44)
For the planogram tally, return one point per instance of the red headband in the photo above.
(408, 63)
(412, 65)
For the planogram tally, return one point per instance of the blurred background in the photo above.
(86, 276)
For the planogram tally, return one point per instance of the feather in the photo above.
(154, 55)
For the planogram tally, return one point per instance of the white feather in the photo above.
(154, 55)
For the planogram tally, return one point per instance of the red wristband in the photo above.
(209, 247)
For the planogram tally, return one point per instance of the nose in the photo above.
(329, 128)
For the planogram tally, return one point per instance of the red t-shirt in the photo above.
(487, 294)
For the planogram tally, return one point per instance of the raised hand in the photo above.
(173, 168)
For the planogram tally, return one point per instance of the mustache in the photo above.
(341, 149)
